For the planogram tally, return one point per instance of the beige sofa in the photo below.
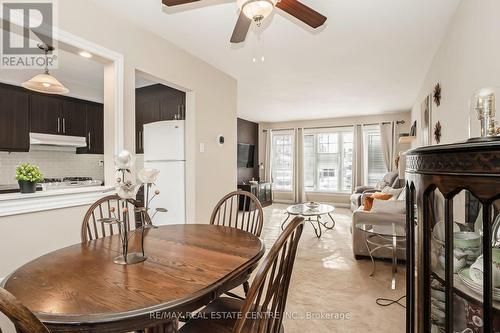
(390, 179)
(358, 237)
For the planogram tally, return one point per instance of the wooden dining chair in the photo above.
(263, 309)
(239, 209)
(108, 207)
(22, 318)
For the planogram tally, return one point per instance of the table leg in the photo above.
(394, 263)
(333, 222)
(284, 222)
(317, 230)
(371, 256)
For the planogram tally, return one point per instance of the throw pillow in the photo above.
(370, 199)
(395, 192)
(391, 207)
(380, 185)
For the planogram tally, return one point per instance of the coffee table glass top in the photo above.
(389, 230)
(304, 210)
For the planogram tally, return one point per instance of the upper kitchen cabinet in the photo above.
(155, 103)
(94, 123)
(73, 117)
(45, 114)
(57, 115)
(14, 119)
(172, 104)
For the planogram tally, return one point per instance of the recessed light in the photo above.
(85, 54)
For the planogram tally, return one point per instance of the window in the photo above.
(328, 160)
(282, 162)
(374, 159)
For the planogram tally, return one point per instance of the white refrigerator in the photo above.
(164, 151)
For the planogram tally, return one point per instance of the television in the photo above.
(245, 155)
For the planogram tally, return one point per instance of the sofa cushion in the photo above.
(402, 195)
(375, 196)
(380, 185)
(395, 192)
(391, 207)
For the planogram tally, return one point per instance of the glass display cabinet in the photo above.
(453, 252)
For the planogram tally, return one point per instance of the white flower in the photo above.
(124, 161)
(148, 176)
(127, 190)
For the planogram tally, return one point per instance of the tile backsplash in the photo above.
(53, 164)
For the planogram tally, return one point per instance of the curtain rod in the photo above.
(399, 122)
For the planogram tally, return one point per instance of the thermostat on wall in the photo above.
(220, 140)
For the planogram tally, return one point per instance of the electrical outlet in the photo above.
(101, 163)
(202, 147)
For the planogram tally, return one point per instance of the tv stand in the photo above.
(263, 191)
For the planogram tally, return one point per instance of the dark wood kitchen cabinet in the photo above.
(155, 103)
(94, 129)
(57, 115)
(23, 111)
(45, 114)
(14, 119)
(73, 117)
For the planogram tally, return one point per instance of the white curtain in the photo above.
(268, 167)
(299, 191)
(387, 138)
(358, 156)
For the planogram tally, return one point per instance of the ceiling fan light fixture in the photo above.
(257, 10)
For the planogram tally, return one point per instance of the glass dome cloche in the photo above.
(484, 116)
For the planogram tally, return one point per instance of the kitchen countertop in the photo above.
(19, 203)
(13, 188)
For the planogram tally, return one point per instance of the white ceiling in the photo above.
(370, 58)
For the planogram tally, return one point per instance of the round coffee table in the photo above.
(384, 236)
(313, 215)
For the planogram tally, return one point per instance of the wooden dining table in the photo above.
(81, 289)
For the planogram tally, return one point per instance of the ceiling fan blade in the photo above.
(171, 3)
(241, 30)
(302, 12)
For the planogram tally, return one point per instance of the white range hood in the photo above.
(40, 141)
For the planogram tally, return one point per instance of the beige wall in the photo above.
(322, 197)
(467, 60)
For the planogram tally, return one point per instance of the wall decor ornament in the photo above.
(426, 121)
(437, 94)
(437, 132)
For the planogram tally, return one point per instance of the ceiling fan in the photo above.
(257, 10)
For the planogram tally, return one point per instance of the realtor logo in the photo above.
(26, 27)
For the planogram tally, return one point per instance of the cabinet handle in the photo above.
(58, 125)
(64, 125)
(90, 145)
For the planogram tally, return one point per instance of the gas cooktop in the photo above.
(68, 182)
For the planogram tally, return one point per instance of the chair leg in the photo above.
(246, 287)
(170, 327)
